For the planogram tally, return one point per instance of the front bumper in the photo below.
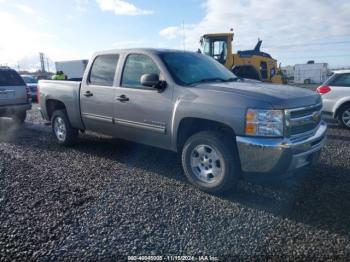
(279, 156)
(14, 109)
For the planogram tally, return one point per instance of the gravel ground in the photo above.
(105, 198)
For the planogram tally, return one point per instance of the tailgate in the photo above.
(10, 95)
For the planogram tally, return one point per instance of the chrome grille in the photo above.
(303, 121)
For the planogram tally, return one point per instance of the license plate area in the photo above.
(7, 94)
(3, 95)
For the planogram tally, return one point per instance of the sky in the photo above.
(292, 31)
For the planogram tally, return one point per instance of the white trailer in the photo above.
(311, 73)
(72, 69)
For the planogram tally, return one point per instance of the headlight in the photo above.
(264, 123)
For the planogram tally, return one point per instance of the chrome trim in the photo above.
(305, 118)
(304, 108)
(302, 120)
(98, 117)
(143, 126)
(278, 156)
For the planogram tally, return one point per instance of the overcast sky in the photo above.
(292, 31)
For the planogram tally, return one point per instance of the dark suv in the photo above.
(14, 95)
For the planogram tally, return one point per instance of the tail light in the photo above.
(29, 96)
(323, 90)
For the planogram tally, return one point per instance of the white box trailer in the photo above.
(311, 73)
(72, 69)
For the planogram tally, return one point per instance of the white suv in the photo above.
(336, 97)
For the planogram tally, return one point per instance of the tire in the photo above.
(20, 117)
(210, 162)
(63, 131)
(344, 116)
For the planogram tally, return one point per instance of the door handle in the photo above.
(88, 94)
(123, 98)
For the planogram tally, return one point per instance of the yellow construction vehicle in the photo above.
(252, 64)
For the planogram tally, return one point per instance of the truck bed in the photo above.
(68, 92)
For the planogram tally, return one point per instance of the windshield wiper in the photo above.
(233, 79)
(208, 80)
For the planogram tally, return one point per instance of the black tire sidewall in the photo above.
(345, 108)
(221, 144)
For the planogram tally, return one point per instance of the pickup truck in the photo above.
(15, 97)
(225, 128)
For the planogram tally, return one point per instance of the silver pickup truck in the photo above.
(225, 128)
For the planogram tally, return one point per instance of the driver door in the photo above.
(142, 114)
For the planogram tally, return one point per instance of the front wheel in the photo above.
(344, 116)
(64, 133)
(210, 162)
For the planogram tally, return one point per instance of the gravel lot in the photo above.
(104, 198)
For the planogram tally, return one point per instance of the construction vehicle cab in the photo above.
(252, 64)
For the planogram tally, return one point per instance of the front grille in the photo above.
(295, 113)
(302, 121)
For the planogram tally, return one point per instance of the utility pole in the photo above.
(42, 62)
(48, 65)
(184, 34)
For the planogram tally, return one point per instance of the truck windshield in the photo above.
(192, 68)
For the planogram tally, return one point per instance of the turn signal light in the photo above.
(250, 129)
(28, 93)
(323, 90)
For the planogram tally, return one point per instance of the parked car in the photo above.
(224, 128)
(14, 95)
(336, 97)
(32, 83)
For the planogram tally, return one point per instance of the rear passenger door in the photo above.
(142, 114)
(97, 94)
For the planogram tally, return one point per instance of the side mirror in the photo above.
(152, 80)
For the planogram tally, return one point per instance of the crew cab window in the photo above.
(103, 70)
(137, 65)
(10, 78)
(342, 80)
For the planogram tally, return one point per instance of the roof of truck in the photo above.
(148, 50)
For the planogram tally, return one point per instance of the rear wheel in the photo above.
(20, 117)
(344, 116)
(62, 129)
(210, 162)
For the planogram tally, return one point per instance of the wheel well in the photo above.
(341, 107)
(190, 126)
(52, 106)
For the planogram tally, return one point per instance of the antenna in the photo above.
(184, 34)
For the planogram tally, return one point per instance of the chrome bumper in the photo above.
(279, 156)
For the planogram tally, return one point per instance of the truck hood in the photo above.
(278, 96)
